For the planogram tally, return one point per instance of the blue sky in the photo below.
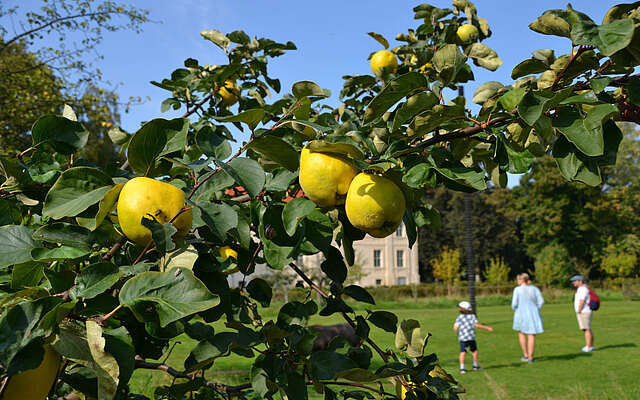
(331, 37)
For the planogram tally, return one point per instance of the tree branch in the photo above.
(114, 249)
(53, 22)
(466, 132)
(560, 74)
(349, 320)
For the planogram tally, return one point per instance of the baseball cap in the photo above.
(465, 305)
(576, 278)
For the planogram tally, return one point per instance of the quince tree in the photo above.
(71, 281)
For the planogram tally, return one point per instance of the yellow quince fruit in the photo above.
(230, 92)
(325, 177)
(34, 384)
(383, 62)
(467, 33)
(226, 252)
(375, 204)
(146, 197)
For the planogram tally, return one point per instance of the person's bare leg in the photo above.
(531, 345)
(461, 359)
(475, 357)
(523, 343)
(588, 337)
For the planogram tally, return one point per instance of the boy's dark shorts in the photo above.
(471, 344)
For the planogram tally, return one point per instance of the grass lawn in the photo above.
(561, 370)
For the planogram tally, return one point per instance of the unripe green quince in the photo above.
(467, 33)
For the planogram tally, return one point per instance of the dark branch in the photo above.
(462, 133)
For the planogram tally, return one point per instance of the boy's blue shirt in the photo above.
(467, 328)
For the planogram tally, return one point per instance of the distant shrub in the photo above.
(551, 265)
(621, 258)
(447, 267)
(497, 271)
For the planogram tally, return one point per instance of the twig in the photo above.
(349, 320)
(251, 262)
(114, 249)
(559, 75)
(100, 320)
(146, 248)
(466, 132)
(198, 105)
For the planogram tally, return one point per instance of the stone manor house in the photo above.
(384, 262)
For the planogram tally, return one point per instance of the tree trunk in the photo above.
(286, 294)
(468, 242)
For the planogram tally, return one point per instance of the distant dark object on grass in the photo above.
(328, 332)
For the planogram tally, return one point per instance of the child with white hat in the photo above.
(465, 326)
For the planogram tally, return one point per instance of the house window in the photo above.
(399, 231)
(402, 280)
(378, 282)
(376, 258)
(399, 258)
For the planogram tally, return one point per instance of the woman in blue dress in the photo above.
(527, 301)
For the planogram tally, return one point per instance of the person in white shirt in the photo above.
(583, 312)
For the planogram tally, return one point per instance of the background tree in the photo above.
(38, 78)
(495, 233)
(552, 265)
(447, 267)
(497, 271)
(621, 257)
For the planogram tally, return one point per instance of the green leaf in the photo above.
(550, 24)
(156, 138)
(528, 67)
(324, 146)
(175, 294)
(184, 256)
(58, 253)
(438, 115)
(64, 135)
(328, 364)
(293, 313)
(448, 61)
(409, 338)
(250, 117)
(217, 37)
(609, 38)
(280, 180)
(511, 160)
(95, 279)
(220, 218)
(483, 56)
(304, 89)
(412, 107)
(26, 274)
(381, 39)
(105, 206)
(419, 175)
(206, 351)
(294, 212)
(260, 291)
(395, 90)
(384, 320)
(160, 233)
(276, 150)
(588, 97)
(333, 265)
(239, 37)
(512, 98)
(18, 331)
(359, 294)
(585, 133)
(213, 143)
(16, 243)
(486, 91)
(600, 84)
(107, 369)
(76, 190)
(574, 165)
(247, 173)
(531, 107)
(64, 234)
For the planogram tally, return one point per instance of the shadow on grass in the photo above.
(569, 356)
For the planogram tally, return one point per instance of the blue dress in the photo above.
(527, 301)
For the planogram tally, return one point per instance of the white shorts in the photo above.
(584, 320)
